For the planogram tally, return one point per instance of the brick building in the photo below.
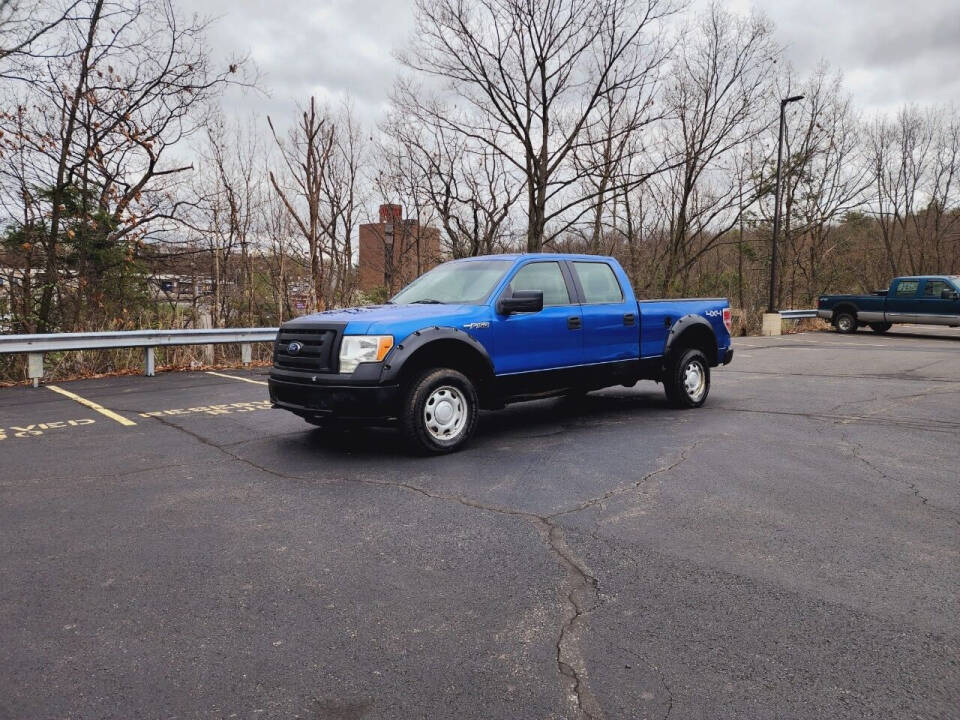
(394, 251)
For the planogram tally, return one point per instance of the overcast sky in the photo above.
(890, 51)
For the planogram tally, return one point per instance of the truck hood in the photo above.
(396, 320)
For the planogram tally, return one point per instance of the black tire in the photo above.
(428, 433)
(679, 385)
(881, 327)
(845, 323)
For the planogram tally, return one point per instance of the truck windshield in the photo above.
(460, 282)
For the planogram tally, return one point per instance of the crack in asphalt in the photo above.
(943, 426)
(683, 455)
(657, 671)
(856, 449)
(894, 400)
(117, 475)
(878, 376)
(581, 594)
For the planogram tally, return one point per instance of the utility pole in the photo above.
(776, 208)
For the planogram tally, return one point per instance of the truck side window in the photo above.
(933, 288)
(907, 288)
(544, 276)
(598, 282)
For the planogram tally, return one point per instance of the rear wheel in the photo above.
(687, 381)
(881, 327)
(440, 411)
(845, 323)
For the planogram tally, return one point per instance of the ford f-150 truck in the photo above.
(485, 331)
(926, 300)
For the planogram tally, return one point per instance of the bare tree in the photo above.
(343, 199)
(466, 183)
(403, 244)
(825, 177)
(132, 82)
(531, 80)
(24, 30)
(305, 155)
(916, 159)
(719, 102)
(227, 217)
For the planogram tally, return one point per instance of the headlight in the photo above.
(356, 349)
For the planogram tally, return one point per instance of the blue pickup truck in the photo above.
(485, 331)
(922, 299)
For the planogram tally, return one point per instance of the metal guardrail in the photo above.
(797, 314)
(36, 345)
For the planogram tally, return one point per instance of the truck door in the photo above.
(937, 306)
(902, 301)
(551, 338)
(611, 328)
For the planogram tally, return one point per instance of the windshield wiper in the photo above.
(427, 301)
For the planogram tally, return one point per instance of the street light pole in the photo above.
(776, 208)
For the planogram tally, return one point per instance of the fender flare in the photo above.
(401, 353)
(684, 324)
(845, 305)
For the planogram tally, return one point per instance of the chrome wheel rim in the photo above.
(445, 413)
(694, 380)
(845, 323)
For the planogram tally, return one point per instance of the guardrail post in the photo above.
(35, 367)
(772, 324)
(148, 362)
(246, 353)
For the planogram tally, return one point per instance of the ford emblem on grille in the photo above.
(294, 347)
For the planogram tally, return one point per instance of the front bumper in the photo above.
(728, 356)
(370, 403)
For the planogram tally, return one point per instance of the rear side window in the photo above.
(598, 282)
(907, 288)
(933, 288)
(544, 276)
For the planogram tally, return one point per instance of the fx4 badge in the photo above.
(712, 313)
(477, 325)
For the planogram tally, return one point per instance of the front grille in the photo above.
(316, 351)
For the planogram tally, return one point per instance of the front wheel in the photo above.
(880, 327)
(439, 411)
(687, 381)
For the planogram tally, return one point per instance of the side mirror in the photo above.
(521, 301)
(948, 294)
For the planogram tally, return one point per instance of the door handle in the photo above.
(629, 319)
(574, 323)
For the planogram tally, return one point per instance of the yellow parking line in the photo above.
(236, 377)
(92, 405)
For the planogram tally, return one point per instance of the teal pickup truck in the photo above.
(919, 299)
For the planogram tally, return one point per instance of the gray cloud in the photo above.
(890, 52)
(333, 49)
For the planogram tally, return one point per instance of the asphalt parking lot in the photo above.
(792, 550)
